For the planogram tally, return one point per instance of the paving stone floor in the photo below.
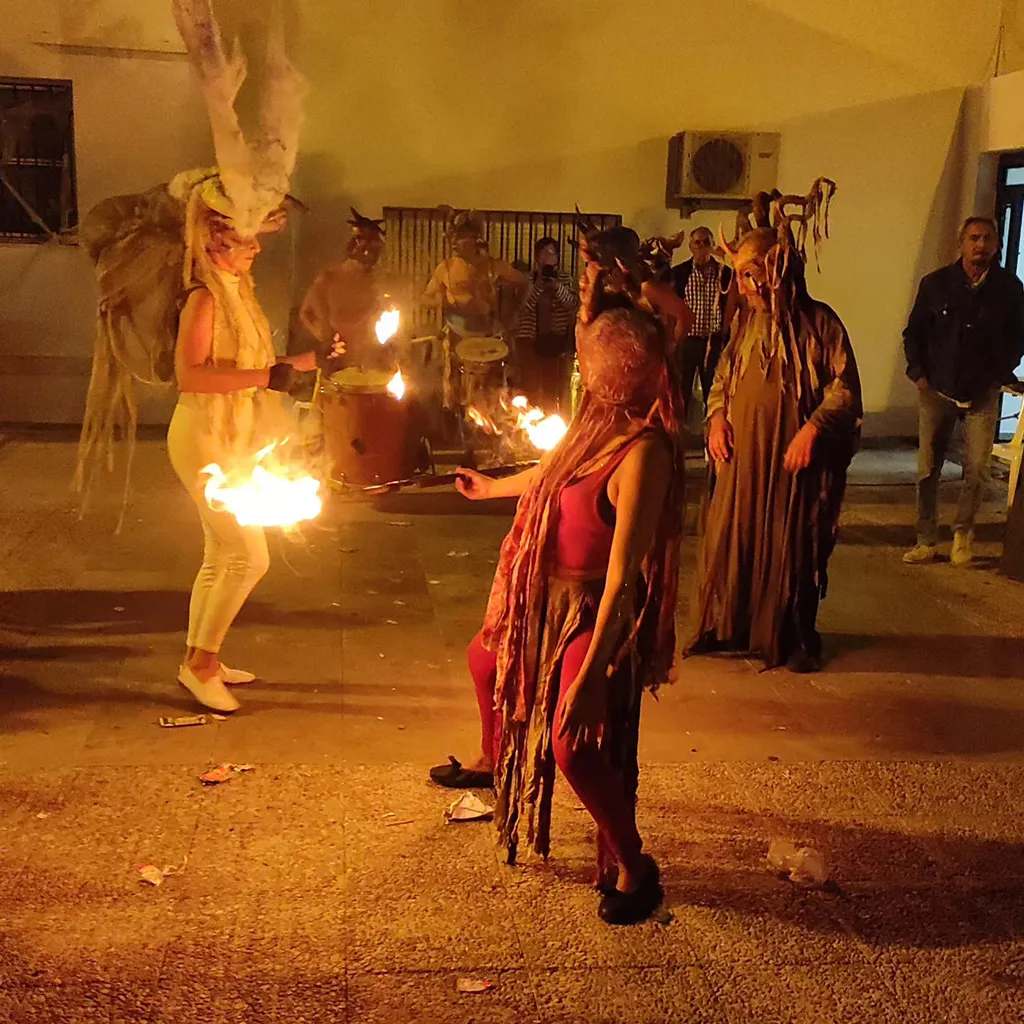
(323, 886)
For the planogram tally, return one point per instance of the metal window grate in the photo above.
(416, 243)
(37, 159)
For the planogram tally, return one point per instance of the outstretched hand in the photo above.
(473, 485)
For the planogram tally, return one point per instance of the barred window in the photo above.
(415, 241)
(37, 160)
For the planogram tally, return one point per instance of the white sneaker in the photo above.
(920, 554)
(231, 676)
(963, 548)
(212, 693)
(235, 676)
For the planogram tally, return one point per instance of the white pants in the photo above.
(235, 558)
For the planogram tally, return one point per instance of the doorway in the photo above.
(1010, 215)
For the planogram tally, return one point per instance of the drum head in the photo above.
(352, 378)
(481, 350)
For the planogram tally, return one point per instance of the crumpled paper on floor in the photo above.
(468, 807)
(155, 876)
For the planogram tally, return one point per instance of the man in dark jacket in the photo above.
(703, 284)
(963, 341)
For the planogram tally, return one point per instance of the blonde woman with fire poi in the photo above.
(581, 615)
(174, 268)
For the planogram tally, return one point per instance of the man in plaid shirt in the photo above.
(703, 284)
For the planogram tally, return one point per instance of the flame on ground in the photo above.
(387, 325)
(264, 496)
(396, 386)
(482, 420)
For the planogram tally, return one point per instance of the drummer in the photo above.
(348, 296)
(477, 293)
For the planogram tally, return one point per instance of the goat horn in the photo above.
(726, 247)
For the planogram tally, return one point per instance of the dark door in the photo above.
(1010, 214)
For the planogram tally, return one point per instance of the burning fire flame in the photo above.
(264, 496)
(387, 325)
(485, 423)
(543, 432)
(396, 386)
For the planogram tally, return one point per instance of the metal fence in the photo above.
(37, 159)
(416, 243)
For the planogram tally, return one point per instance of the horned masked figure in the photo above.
(477, 293)
(348, 296)
(784, 416)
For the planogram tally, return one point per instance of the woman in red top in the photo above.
(581, 614)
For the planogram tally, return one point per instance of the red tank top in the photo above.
(586, 524)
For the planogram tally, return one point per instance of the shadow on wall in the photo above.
(939, 241)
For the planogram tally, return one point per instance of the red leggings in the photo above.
(594, 780)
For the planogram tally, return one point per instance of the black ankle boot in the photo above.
(803, 662)
(629, 907)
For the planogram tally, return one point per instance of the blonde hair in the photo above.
(206, 230)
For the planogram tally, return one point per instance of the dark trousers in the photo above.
(698, 357)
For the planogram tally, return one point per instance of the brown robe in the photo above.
(768, 533)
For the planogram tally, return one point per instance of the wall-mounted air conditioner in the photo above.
(720, 169)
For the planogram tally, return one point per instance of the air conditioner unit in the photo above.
(720, 168)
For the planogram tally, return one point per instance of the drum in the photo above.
(482, 366)
(367, 431)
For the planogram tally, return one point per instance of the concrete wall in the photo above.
(527, 106)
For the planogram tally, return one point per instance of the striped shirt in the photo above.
(546, 318)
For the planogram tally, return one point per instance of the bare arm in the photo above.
(433, 292)
(476, 486)
(311, 313)
(637, 490)
(194, 350)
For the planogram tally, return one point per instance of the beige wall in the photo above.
(537, 106)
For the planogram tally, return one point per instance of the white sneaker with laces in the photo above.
(963, 548)
(211, 693)
(920, 554)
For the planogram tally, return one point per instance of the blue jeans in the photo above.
(937, 417)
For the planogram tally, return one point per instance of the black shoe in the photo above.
(629, 907)
(804, 662)
(453, 776)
